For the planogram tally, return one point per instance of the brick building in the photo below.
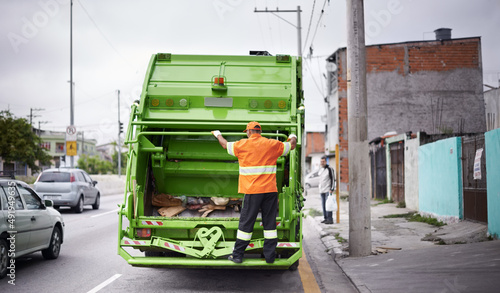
(315, 149)
(431, 86)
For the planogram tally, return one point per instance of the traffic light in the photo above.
(120, 125)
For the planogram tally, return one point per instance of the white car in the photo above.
(27, 224)
(68, 187)
(312, 179)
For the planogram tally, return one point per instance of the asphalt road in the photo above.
(89, 263)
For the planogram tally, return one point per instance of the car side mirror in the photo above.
(48, 203)
(94, 182)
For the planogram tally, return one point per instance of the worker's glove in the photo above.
(291, 136)
(216, 133)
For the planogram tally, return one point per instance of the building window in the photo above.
(45, 145)
(59, 147)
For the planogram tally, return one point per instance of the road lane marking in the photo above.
(309, 282)
(98, 215)
(105, 283)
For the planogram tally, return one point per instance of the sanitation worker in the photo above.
(257, 157)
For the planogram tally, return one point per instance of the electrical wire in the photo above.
(103, 35)
(317, 25)
(310, 23)
(314, 79)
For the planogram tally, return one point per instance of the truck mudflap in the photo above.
(207, 250)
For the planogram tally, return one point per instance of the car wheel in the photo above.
(4, 258)
(97, 202)
(79, 206)
(55, 245)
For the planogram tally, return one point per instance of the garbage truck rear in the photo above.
(181, 206)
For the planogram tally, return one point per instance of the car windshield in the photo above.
(54, 177)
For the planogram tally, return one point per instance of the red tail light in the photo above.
(38, 178)
(143, 232)
(72, 178)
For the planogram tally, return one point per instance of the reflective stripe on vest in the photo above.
(258, 170)
(270, 234)
(230, 148)
(244, 235)
(287, 148)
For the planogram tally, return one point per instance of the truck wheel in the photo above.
(95, 206)
(79, 206)
(295, 266)
(52, 252)
(4, 258)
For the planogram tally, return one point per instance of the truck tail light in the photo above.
(219, 81)
(143, 232)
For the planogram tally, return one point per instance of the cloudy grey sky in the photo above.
(113, 41)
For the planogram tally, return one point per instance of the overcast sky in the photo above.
(113, 41)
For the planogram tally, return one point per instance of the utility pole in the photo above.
(34, 116)
(359, 189)
(71, 118)
(119, 139)
(298, 26)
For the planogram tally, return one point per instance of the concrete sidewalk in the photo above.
(406, 255)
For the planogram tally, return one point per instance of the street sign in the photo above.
(71, 133)
(71, 148)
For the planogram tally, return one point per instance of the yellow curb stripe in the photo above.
(309, 282)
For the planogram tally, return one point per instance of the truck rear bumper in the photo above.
(292, 249)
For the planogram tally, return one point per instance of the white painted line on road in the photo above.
(98, 215)
(105, 283)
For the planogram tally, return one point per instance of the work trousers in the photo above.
(268, 204)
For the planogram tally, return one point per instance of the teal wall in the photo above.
(492, 141)
(440, 179)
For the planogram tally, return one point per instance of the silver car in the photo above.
(68, 187)
(27, 224)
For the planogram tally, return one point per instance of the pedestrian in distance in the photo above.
(326, 187)
(257, 158)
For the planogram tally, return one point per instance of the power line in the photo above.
(102, 34)
(310, 22)
(317, 24)
(314, 80)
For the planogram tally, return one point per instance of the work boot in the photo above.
(329, 222)
(324, 221)
(269, 260)
(235, 260)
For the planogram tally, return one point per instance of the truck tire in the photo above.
(52, 252)
(97, 202)
(4, 258)
(79, 206)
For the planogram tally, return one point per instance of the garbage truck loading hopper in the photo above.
(181, 206)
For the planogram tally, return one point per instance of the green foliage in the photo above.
(315, 213)
(18, 142)
(94, 165)
(339, 238)
(414, 217)
(401, 205)
(123, 162)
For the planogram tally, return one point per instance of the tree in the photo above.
(94, 165)
(123, 162)
(18, 142)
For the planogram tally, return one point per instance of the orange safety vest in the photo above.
(257, 157)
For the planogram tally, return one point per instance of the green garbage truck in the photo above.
(181, 205)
